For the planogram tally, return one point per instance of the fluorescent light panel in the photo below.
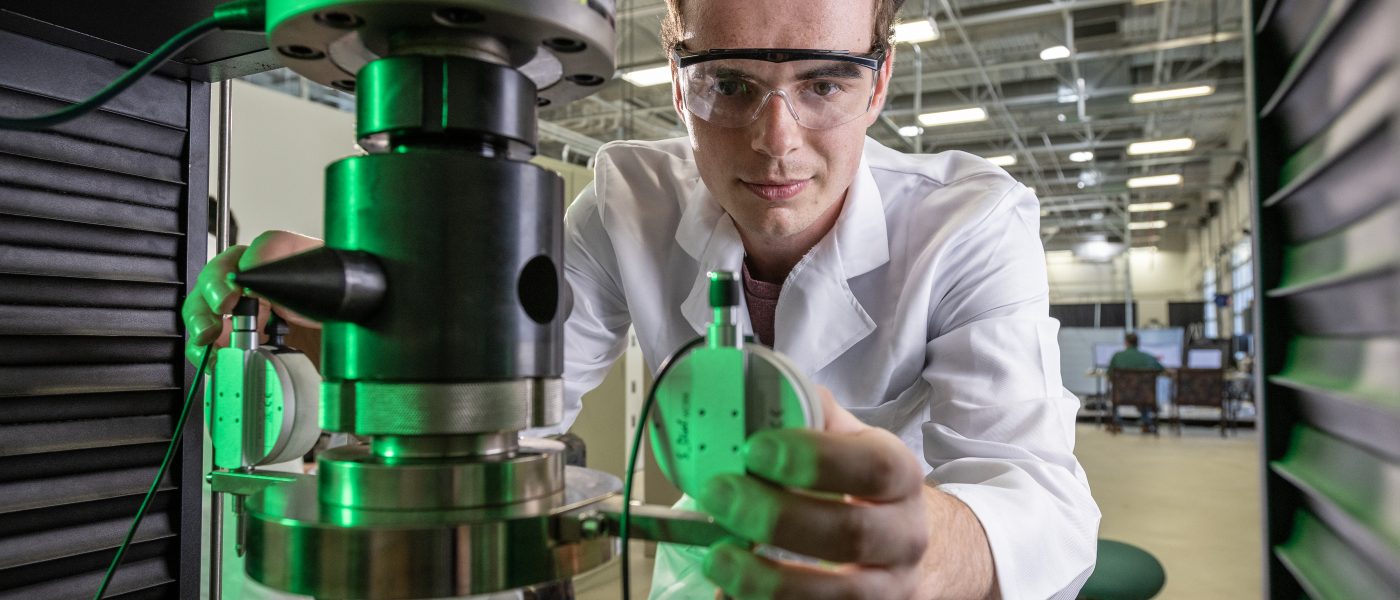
(1154, 181)
(1161, 146)
(1147, 225)
(1172, 94)
(649, 77)
(951, 117)
(1082, 156)
(1054, 53)
(1003, 160)
(1150, 206)
(915, 32)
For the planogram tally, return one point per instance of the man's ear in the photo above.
(882, 86)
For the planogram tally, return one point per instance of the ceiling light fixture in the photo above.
(915, 32)
(1081, 156)
(910, 130)
(1161, 146)
(1150, 207)
(1154, 181)
(1172, 94)
(1147, 225)
(1003, 160)
(1054, 53)
(648, 77)
(951, 117)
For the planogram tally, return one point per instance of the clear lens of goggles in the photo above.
(819, 94)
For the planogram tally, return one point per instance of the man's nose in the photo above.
(776, 132)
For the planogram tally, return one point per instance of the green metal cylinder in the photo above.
(470, 248)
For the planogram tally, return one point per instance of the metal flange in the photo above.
(564, 46)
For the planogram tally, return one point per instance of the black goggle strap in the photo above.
(685, 58)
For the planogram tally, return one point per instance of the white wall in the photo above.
(1158, 277)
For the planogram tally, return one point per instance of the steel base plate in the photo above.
(296, 544)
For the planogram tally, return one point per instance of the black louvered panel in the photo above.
(1327, 137)
(96, 253)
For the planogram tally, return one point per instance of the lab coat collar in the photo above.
(818, 317)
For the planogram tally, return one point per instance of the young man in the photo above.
(912, 287)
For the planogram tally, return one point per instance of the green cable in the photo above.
(160, 474)
(241, 14)
(632, 462)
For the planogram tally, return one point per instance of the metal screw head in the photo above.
(339, 20)
(585, 79)
(300, 52)
(563, 44)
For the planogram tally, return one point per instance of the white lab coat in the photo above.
(924, 310)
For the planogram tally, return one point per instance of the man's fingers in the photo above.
(837, 418)
(746, 576)
(871, 464)
(213, 283)
(830, 529)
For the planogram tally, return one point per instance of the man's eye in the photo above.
(730, 87)
(825, 88)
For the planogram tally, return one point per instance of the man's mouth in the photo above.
(773, 190)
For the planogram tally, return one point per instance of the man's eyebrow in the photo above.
(839, 70)
(732, 73)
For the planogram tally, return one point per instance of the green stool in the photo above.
(1124, 572)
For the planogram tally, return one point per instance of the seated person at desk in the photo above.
(1132, 358)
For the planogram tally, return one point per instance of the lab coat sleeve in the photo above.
(1000, 433)
(595, 333)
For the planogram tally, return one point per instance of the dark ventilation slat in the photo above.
(16, 496)
(67, 207)
(62, 436)
(52, 349)
(67, 291)
(34, 66)
(142, 452)
(29, 231)
(1363, 304)
(24, 550)
(76, 514)
(1325, 566)
(68, 179)
(94, 155)
(64, 320)
(1350, 46)
(1368, 248)
(1362, 132)
(71, 407)
(66, 379)
(146, 566)
(1289, 23)
(27, 260)
(1351, 490)
(100, 127)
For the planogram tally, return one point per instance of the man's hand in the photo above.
(214, 293)
(852, 494)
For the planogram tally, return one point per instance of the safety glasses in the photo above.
(821, 88)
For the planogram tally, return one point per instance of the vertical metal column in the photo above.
(216, 505)
(1127, 265)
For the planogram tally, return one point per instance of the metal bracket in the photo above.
(645, 522)
(244, 484)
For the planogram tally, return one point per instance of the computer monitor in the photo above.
(1103, 353)
(1205, 358)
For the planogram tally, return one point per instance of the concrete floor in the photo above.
(1192, 501)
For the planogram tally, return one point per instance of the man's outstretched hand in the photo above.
(853, 495)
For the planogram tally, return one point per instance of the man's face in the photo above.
(775, 177)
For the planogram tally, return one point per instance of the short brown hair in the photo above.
(673, 26)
